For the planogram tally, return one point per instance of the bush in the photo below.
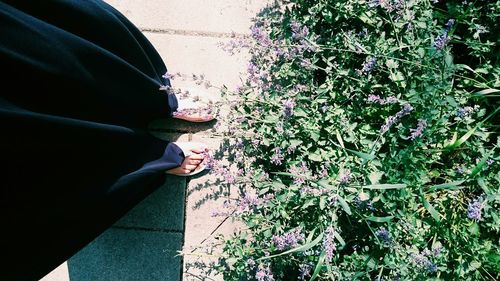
(366, 144)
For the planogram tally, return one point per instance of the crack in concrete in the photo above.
(199, 33)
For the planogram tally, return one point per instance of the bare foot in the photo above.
(193, 158)
(197, 117)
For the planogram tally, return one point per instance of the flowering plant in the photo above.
(364, 143)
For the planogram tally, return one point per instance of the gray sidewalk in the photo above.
(143, 245)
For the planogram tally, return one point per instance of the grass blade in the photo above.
(461, 140)
(344, 205)
(385, 186)
(479, 166)
(319, 266)
(362, 155)
(486, 92)
(380, 219)
(430, 209)
(449, 185)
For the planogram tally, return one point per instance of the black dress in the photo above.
(79, 85)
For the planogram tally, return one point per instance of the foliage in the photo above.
(365, 143)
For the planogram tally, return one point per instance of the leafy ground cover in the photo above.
(364, 143)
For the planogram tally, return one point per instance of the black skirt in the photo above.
(79, 85)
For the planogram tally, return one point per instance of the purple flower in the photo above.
(229, 178)
(299, 171)
(299, 32)
(436, 249)
(490, 162)
(407, 108)
(423, 263)
(247, 203)
(377, 99)
(329, 243)
(373, 99)
(415, 133)
(260, 36)
(369, 65)
(264, 274)
(288, 106)
(306, 63)
(291, 149)
(373, 3)
(441, 40)
(304, 271)
(383, 234)
(391, 120)
(324, 108)
(169, 76)
(324, 171)
(345, 177)
(363, 204)
(279, 128)
(449, 24)
(464, 111)
(251, 262)
(391, 99)
(461, 170)
(288, 240)
(278, 157)
(252, 69)
(474, 210)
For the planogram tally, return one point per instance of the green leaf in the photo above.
(295, 142)
(380, 219)
(284, 214)
(474, 265)
(273, 119)
(299, 112)
(430, 209)
(397, 76)
(315, 157)
(339, 138)
(452, 141)
(461, 140)
(301, 248)
(482, 184)
(449, 185)
(385, 186)
(474, 229)
(319, 266)
(322, 202)
(486, 92)
(308, 203)
(479, 166)
(314, 135)
(375, 177)
(448, 59)
(362, 155)
(344, 205)
(310, 236)
(391, 63)
(325, 184)
(289, 175)
(278, 185)
(339, 238)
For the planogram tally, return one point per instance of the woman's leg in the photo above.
(78, 59)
